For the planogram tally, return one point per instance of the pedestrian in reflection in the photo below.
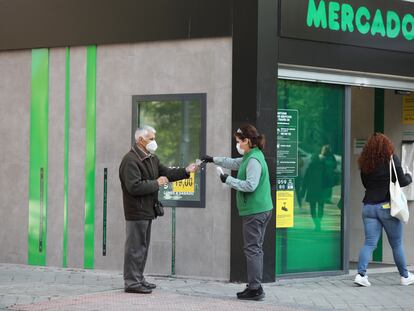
(330, 178)
(312, 189)
(374, 164)
(254, 201)
(141, 175)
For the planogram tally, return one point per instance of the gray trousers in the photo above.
(138, 235)
(254, 228)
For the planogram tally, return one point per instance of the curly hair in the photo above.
(377, 151)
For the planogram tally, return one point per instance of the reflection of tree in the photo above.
(167, 118)
(320, 112)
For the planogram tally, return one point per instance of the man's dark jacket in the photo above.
(138, 173)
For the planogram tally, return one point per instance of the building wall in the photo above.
(362, 125)
(56, 155)
(197, 66)
(76, 181)
(15, 68)
(123, 70)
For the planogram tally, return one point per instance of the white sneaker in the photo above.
(408, 280)
(362, 280)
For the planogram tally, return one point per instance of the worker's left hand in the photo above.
(223, 177)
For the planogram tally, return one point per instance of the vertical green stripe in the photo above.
(66, 161)
(379, 127)
(38, 157)
(90, 156)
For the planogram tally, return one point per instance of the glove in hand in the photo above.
(223, 177)
(207, 159)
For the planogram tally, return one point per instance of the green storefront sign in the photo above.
(379, 24)
(348, 18)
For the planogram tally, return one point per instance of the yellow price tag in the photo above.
(184, 185)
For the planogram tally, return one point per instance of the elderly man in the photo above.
(141, 175)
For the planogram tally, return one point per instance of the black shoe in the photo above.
(251, 294)
(243, 292)
(148, 285)
(138, 290)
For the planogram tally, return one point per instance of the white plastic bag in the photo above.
(399, 206)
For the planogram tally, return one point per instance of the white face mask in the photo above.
(152, 146)
(239, 149)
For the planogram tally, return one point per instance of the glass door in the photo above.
(309, 170)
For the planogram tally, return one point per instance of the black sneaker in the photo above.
(138, 290)
(243, 292)
(148, 285)
(251, 294)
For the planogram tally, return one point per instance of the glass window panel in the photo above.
(179, 125)
(314, 242)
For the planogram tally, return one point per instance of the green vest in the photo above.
(260, 200)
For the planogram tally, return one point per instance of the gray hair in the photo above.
(144, 131)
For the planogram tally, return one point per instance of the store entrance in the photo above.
(309, 204)
(379, 110)
(318, 218)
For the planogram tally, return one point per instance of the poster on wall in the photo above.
(285, 203)
(180, 189)
(407, 163)
(359, 144)
(180, 123)
(408, 109)
(284, 209)
(287, 143)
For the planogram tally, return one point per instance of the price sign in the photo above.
(184, 185)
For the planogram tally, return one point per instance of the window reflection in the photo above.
(314, 243)
(179, 125)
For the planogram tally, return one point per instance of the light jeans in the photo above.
(376, 217)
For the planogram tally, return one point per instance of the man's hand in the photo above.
(162, 180)
(191, 168)
(207, 159)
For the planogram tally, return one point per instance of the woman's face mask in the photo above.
(240, 145)
(239, 149)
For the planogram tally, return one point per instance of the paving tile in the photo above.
(50, 287)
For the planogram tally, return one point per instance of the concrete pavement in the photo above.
(46, 288)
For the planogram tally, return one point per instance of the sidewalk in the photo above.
(39, 288)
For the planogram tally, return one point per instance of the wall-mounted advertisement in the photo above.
(179, 120)
(285, 203)
(287, 143)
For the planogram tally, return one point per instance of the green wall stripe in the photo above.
(66, 162)
(90, 157)
(39, 113)
(379, 127)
